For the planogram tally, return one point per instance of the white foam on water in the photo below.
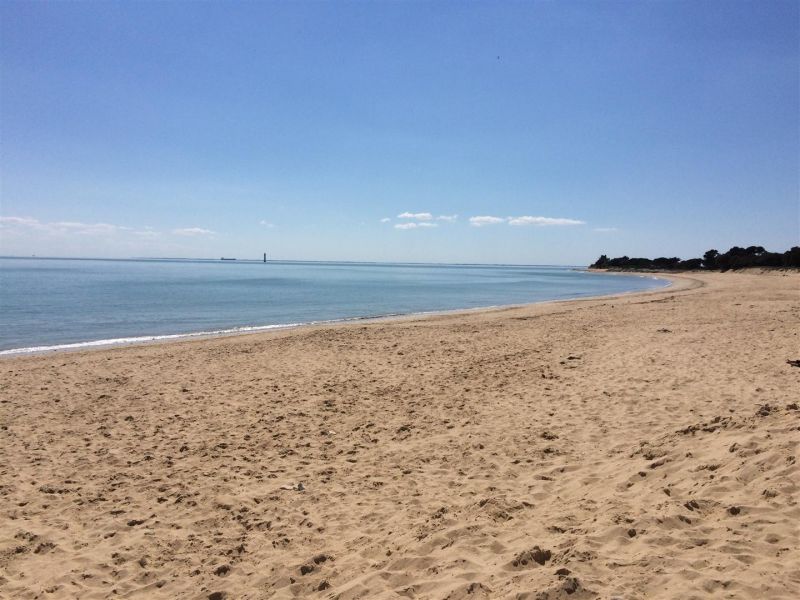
(145, 338)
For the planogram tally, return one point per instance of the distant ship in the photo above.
(223, 258)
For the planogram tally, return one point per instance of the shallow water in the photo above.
(54, 303)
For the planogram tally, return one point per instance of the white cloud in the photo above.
(63, 227)
(413, 225)
(24, 221)
(485, 220)
(87, 228)
(543, 221)
(190, 231)
(385, 220)
(605, 229)
(266, 224)
(447, 218)
(525, 220)
(23, 235)
(422, 216)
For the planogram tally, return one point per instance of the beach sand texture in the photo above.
(642, 446)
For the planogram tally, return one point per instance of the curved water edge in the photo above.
(249, 329)
(538, 284)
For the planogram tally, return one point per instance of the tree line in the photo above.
(735, 258)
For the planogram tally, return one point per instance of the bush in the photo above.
(735, 258)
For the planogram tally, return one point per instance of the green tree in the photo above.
(710, 259)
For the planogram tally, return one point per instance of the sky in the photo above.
(479, 132)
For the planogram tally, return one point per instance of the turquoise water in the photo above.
(56, 303)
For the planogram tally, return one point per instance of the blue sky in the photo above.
(306, 129)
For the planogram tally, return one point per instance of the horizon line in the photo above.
(282, 260)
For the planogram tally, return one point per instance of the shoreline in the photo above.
(623, 446)
(147, 340)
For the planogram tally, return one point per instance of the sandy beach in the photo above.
(642, 446)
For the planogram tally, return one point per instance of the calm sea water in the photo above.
(55, 303)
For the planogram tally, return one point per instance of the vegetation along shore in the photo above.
(713, 260)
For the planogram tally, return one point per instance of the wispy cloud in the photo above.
(482, 221)
(543, 221)
(423, 216)
(88, 228)
(29, 225)
(147, 232)
(64, 227)
(385, 220)
(193, 231)
(21, 221)
(485, 220)
(414, 225)
(605, 229)
(420, 216)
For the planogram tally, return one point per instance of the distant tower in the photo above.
(265, 257)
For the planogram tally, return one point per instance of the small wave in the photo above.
(194, 334)
(145, 338)
(219, 332)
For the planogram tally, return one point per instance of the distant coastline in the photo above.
(734, 259)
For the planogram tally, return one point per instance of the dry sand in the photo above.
(641, 447)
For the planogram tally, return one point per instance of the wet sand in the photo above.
(642, 446)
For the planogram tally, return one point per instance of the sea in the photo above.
(59, 304)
